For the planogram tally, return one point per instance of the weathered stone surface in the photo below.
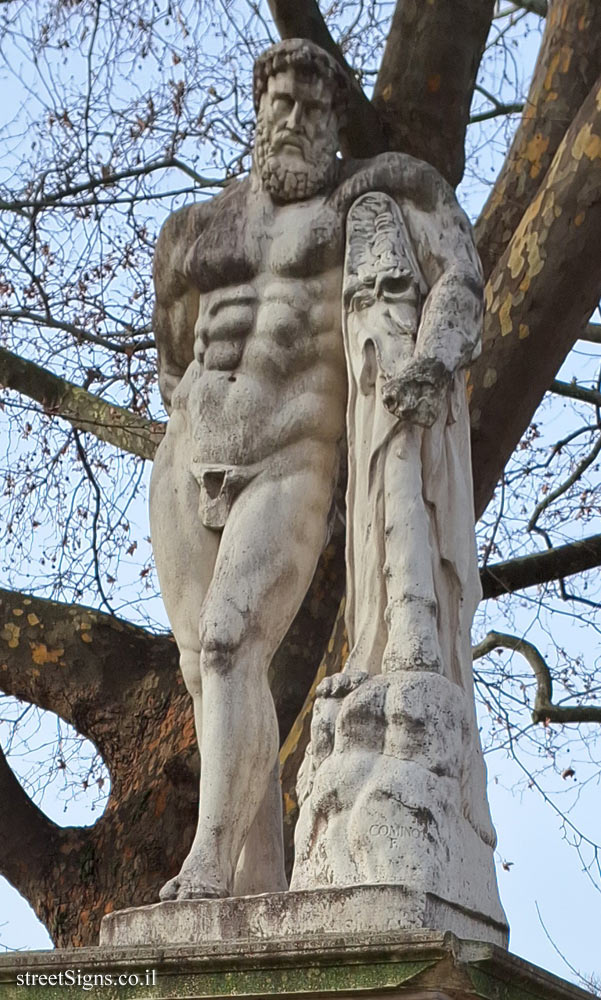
(293, 916)
(397, 966)
(251, 366)
(412, 575)
(387, 796)
(318, 305)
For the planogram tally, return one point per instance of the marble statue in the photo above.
(318, 305)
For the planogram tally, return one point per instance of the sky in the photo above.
(553, 909)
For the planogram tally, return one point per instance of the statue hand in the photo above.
(419, 393)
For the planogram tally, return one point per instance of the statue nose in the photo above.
(295, 116)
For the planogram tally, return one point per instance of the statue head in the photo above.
(300, 96)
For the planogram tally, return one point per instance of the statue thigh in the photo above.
(185, 550)
(267, 556)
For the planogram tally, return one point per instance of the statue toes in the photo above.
(170, 889)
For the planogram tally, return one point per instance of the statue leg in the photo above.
(268, 554)
(261, 866)
(184, 552)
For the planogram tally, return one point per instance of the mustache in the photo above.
(291, 139)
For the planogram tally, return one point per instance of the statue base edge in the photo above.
(296, 915)
(418, 965)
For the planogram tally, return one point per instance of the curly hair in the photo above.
(307, 59)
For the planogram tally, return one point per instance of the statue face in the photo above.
(297, 137)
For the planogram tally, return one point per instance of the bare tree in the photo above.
(124, 113)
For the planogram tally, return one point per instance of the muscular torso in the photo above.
(268, 373)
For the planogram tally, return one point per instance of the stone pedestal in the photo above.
(398, 966)
(295, 916)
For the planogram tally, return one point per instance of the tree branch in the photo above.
(364, 133)
(563, 487)
(110, 423)
(592, 333)
(497, 111)
(41, 859)
(539, 7)
(544, 710)
(27, 836)
(568, 65)
(573, 391)
(128, 346)
(120, 686)
(54, 198)
(540, 567)
(77, 662)
(549, 278)
(424, 88)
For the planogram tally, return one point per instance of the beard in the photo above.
(294, 178)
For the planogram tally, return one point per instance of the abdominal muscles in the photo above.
(270, 384)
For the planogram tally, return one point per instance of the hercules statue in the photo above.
(252, 370)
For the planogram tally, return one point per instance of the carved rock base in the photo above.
(294, 916)
(392, 792)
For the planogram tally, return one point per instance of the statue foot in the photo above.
(339, 685)
(190, 884)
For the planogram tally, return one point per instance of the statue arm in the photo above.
(176, 300)
(450, 327)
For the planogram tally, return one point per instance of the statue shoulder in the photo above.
(178, 235)
(400, 175)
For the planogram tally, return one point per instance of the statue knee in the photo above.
(189, 662)
(220, 645)
(218, 655)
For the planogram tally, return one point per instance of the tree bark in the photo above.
(28, 836)
(309, 636)
(539, 298)
(539, 7)
(70, 659)
(568, 65)
(426, 81)
(295, 744)
(110, 423)
(592, 333)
